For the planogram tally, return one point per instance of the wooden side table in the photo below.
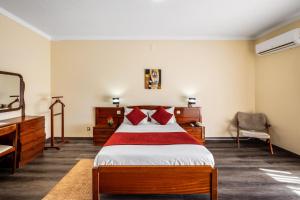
(101, 133)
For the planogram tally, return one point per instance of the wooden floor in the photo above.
(245, 173)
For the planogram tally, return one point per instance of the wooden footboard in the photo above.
(155, 180)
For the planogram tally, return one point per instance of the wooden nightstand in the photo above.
(102, 133)
(196, 132)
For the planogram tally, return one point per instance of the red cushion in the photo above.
(162, 116)
(136, 116)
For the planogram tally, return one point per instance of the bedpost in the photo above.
(95, 183)
(214, 184)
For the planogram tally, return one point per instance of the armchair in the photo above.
(253, 125)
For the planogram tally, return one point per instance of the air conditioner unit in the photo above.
(279, 43)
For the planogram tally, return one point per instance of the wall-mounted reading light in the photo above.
(191, 101)
(116, 101)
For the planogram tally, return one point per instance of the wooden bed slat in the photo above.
(155, 180)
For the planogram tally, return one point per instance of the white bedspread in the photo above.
(179, 154)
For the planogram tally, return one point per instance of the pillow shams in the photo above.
(136, 116)
(162, 116)
(128, 110)
(169, 110)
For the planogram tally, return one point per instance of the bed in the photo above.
(158, 168)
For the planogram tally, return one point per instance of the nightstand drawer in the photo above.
(196, 132)
(196, 135)
(100, 136)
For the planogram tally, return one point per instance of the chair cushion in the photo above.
(4, 148)
(252, 121)
(254, 134)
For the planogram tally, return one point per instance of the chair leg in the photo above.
(238, 138)
(270, 146)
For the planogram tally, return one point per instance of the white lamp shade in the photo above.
(192, 100)
(115, 100)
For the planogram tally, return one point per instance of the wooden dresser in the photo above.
(184, 116)
(31, 137)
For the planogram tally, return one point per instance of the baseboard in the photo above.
(225, 138)
(72, 138)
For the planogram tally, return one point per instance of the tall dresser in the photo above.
(31, 137)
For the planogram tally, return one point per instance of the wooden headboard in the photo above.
(183, 114)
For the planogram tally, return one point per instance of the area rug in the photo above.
(76, 185)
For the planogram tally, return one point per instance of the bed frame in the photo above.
(157, 179)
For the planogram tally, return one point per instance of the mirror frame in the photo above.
(22, 90)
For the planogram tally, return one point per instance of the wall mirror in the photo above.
(12, 89)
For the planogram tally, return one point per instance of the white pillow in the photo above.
(169, 110)
(128, 110)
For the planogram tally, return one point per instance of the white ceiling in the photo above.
(152, 19)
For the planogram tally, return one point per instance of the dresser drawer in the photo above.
(31, 153)
(32, 143)
(32, 136)
(32, 125)
(32, 139)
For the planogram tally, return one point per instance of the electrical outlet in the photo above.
(88, 128)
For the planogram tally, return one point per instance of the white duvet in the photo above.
(179, 154)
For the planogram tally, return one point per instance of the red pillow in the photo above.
(136, 116)
(162, 116)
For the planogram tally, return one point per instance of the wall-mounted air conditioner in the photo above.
(284, 41)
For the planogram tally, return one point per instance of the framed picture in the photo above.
(152, 79)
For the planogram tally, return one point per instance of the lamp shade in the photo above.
(192, 100)
(116, 100)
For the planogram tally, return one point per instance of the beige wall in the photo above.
(25, 52)
(225, 76)
(88, 73)
(278, 92)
